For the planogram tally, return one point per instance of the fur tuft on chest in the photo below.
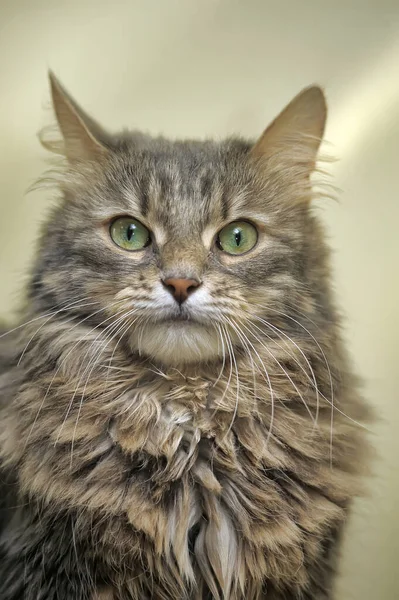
(200, 480)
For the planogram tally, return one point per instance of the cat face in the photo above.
(175, 248)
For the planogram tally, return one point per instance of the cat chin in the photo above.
(177, 343)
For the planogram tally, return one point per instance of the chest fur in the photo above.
(208, 479)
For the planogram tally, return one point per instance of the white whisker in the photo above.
(49, 319)
(63, 361)
(111, 325)
(281, 333)
(217, 327)
(43, 316)
(267, 378)
(233, 360)
(284, 371)
(108, 338)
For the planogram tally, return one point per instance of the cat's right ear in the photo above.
(83, 138)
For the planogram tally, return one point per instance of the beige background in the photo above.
(209, 67)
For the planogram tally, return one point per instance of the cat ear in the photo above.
(84, 139)
(297, 131)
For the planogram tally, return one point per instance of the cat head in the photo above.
(177, 247)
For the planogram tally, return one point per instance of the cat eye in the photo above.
(237, 237)
(129, 234)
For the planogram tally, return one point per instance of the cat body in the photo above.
(178, 421)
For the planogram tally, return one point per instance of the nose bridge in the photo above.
(183, 258)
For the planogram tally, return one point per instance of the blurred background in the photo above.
(216, 67)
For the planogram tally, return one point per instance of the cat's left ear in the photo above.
(295, 135)
(84, 139)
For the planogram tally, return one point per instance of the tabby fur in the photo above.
(204, 452)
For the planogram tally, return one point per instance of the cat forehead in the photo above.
(184, 161)
(182, 183)
(186, 151)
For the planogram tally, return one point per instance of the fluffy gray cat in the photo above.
(178, 419)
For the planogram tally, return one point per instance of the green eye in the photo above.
(129, 234)
(237, 237)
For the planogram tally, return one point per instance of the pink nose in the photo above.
(180, 288)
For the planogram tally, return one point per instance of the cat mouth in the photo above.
(180, 318)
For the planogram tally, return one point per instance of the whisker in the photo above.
(281, 333)
(229, 341)
(123, 333)
(120, 318)
(64, 359)
(110, 337)
(43, 316)
(267, 379)
(312, 337)
(217, 327)
(223, 330)
(243, 340)
(284, 371)
(140, 335)
(329, 374)
(331, 402)
(111, 331)
(49, 319)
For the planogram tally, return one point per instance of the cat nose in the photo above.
(181, 288)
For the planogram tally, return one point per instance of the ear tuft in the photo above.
(83, 137)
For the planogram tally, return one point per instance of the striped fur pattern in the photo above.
(203, 452)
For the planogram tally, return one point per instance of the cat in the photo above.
(178, 414)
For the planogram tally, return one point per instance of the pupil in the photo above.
(237, 237)
(130, 232)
